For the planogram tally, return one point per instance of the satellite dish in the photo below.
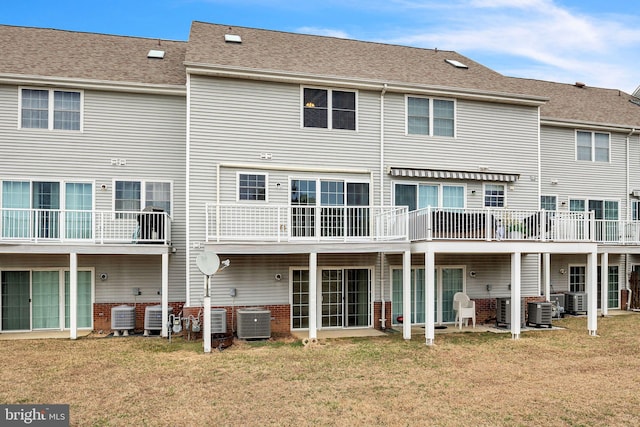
(208, 263)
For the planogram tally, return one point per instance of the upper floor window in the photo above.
(50, 109)
(494, 196)
(252, 187)
(549, 203)
(592, 146)
(331, 109)
(135, 195)
(433, 117)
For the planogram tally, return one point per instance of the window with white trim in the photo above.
(433, 117)
(494, 195)
(136, 195)
(329, 108)
(592, 146)
(549, 203)
(577, 278)
(419, 196)
(252, 187)
(50, 109)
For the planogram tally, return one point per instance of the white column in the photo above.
(406, 295)
(546, 268)
(313, 297)
(429, 297)
(604, 283)
(206, 316)
(516, 304)
(73, 296)
(592, 293)
(164, 298)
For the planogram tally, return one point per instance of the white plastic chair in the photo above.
(465, 309)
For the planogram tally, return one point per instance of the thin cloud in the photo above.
(329, 32)
(544, 35)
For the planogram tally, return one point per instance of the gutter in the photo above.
(383, 311)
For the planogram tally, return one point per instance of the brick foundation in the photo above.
(486, 309)
(377, 314)
(102, 314)
(280, 318)
(624, 298)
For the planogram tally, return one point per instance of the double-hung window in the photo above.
(549, 203)
(252, 187)
(329, 108)
(494, 196)
(50, 109)
(432, 117)
(592, 146)
(132, 196)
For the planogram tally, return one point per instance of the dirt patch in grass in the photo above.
(562, 377)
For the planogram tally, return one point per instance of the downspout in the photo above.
(187, 196)
(383, 311)
(628, 143)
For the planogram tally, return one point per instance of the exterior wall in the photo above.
(102, 314)
(583, 179)
(280, 318)
(503, 138)
(147, 131)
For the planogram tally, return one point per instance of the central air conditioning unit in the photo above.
(503, 312)
(576, 302)
(254, 323)
(540, 314)
(558, 305)
(218, 321)
(153, 318)
(123, 318)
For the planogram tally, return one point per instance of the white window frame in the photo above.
(440, 185)
(593, 146)
(329, 107)
(484, 195)
(143, 192)
(548, 195)
(266, 187)
(318, 181)
(431, 99)
(50, 108)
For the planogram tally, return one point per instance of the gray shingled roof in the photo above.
(267, 50)
(569, 102)
(69, 54)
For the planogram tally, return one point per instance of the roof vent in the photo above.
(580, 84)
(155, 54)
(455, 63)
(232, 38)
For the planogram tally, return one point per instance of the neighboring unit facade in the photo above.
(332, 174)
(92, 129)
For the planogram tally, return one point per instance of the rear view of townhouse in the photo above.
(351, 185)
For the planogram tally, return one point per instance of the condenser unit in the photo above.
(576, 302)
(153, 318)
(540, 314)
(218, 321)
(558, 305)
(123, 318)
(503, 312)
(254, 323)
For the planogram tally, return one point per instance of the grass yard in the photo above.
(549, 378)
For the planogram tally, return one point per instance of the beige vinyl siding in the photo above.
(234, 121)
(148, 131)
(498, 136)
(582, 179)
(253, 277)
(491, 269)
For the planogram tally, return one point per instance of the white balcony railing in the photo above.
(69, 226)
(279, 223)
(499, 224)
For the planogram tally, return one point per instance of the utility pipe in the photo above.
(381, 172)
